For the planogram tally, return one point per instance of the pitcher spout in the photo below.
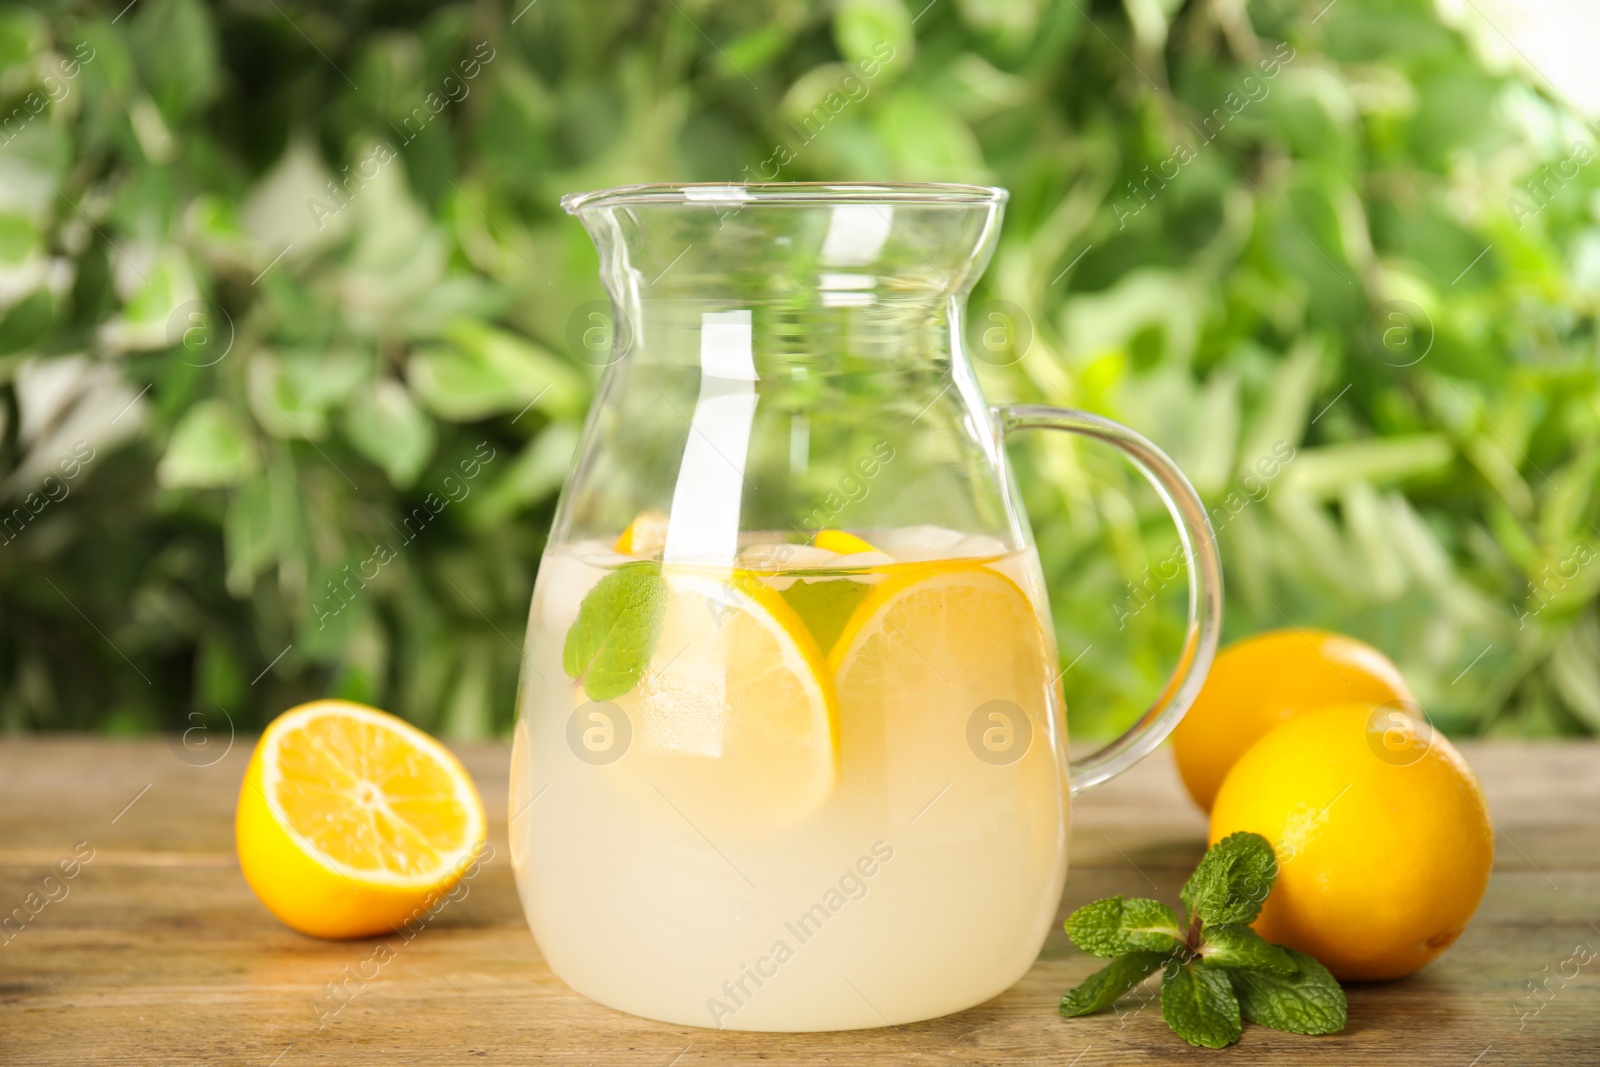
(799, 244)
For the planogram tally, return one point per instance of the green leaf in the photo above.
(22, 33)
(1322, 472)
(811, 90)
(1309, 1001)
(388, 428)
(1232, 880)
(278, 211)
(874, 30)
(448, 302)
(1117, 925)
(1200, 1006)
(26, 321)
(1106, 986)
(291, 393)
(219, 682)
(467, 712)
(535, 474)
(825, 606)
(459, 388)
(249, 536)
(279, 402)
(209, 448)
(1236, 945)
(751, 51)
(618, 624)
(1284, 414)
(485, 371)
(18, 238)
(921, 135)
(162, 290)
(176, 48)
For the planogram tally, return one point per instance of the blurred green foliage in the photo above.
(1284, 230)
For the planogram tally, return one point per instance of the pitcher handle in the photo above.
(1205, 583)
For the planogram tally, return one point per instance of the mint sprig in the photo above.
(610, 643)
(1216, 971)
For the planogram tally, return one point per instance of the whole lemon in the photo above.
(1260, 681)
(1383, 839)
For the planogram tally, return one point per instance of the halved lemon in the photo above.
(736, 723)
(939, 661)
(352, 822)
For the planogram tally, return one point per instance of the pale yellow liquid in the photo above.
(923, 884)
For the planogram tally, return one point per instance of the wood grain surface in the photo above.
(155, 951)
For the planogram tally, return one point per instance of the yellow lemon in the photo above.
(846, 544)
(1383, 839)
(351, 821)
(645, 536)
(1260, 681)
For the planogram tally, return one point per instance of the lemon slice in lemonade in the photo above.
(931, 649)
(736, 720)
(645, 536)
(927, 610)
(352, 822)
(842, 542)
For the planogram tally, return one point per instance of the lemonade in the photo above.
(822, 788)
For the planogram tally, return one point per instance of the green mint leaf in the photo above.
(1117, 925)
(1236, 945)
(1306, 1002)
(1232, 880)
(1200, 1006)
(611, 641)
(1106, 986)
(825, 606)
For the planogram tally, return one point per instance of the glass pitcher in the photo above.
(791, 746)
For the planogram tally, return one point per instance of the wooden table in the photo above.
(157, 953)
